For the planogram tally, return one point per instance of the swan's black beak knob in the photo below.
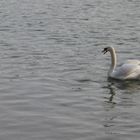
(105, 50)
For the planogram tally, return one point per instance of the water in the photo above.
(53, 77)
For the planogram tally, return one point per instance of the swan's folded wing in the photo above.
(127, 71)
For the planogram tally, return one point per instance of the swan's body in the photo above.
(130, 69)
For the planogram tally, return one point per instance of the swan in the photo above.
(129, 70)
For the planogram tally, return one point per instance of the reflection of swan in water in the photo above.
(125, 85)
(128, 70)
(118, 97)
(112, 93)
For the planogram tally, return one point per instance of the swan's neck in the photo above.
(113, 61)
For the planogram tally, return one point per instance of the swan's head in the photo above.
(106, 50)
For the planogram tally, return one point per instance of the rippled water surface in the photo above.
(53, 76)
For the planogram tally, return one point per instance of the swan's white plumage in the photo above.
(130, 69)
(126, 71)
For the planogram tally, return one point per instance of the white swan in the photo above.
(128, 70)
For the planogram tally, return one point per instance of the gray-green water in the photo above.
(53, 83)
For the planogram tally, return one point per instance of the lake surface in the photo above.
(53, 76)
